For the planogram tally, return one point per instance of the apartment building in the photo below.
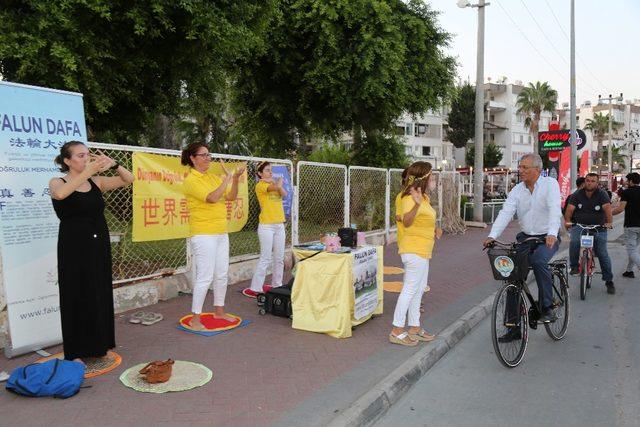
(425, 138)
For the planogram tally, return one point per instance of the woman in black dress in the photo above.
(84, 251)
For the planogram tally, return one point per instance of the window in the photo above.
(420, 129)
(492, 137)
(407, 150)
(492, 118)
(521, 139)
(408, 129)
(426, 151)
(400, 129)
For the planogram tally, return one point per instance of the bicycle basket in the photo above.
(509, 264)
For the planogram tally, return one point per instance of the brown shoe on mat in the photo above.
(422, 336)
(402, 339)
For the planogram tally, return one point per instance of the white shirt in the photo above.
(538, 212)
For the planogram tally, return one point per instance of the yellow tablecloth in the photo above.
(323, 295)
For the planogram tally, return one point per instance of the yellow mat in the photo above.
(393, 270)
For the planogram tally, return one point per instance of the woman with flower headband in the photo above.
(270, 231)
(415, 247)
(206, 195)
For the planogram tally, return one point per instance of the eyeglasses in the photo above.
(203, 155)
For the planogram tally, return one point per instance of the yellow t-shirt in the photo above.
(399, 212)
(271, 210)
(420, 236)
(205, 218)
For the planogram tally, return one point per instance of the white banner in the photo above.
(34, 123)
(365, 282)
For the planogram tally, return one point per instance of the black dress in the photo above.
(84, 275)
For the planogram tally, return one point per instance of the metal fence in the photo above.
(326, 197)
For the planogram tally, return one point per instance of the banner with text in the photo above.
(34, 123)
(280, 171)
(159, 204)
(365, 281)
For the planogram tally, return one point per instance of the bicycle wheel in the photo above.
(558, 329)
(584, 274)
(509, 316)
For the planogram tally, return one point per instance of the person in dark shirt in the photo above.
(591, 206)
(630, 205)
(579, 186)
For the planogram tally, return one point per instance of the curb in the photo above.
(374, 404)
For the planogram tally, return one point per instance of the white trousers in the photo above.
(211, 262)
(272, 238)
(416, 272)
(632, 240)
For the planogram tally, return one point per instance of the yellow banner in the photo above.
(160, 206)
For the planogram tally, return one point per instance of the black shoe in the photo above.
(610, 288)
(511, 335)
(630, 274)
(588, 284)
(549, 316)
(574, 271)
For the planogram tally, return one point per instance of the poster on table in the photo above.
(281, 171)
(160, 205)
(34, 123)
(365, 282)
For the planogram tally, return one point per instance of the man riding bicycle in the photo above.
(536, 200)
(591, 206)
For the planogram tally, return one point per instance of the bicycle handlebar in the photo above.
(590, 227)
(509, 245)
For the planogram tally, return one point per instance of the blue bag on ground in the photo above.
(57, 378)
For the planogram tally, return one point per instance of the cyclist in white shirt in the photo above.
(536, 200)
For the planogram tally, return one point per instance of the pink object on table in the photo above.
(362, 240)
(331, 243)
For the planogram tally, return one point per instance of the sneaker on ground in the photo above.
(574, 271)
(611, 289)
(630, 274)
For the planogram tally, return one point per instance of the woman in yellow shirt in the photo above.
(270, 231)
(206, 195)
(415, 246)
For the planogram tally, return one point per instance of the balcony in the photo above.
(497, 106)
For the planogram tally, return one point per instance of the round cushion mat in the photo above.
(396, 287)
(184, 376)
(393, 270)
(94, 366)
(212, 323)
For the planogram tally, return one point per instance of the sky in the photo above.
(524, 41)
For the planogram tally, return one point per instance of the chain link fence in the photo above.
(328, 196)
(367, 200)
(321, 199)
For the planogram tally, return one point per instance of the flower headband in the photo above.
(412, 179)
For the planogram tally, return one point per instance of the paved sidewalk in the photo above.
(266, 373)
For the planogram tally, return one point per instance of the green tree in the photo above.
(462, 117)
(492, 155)
(599, 126)
(619, 159)
(532, 101)
(132, 60)
(331, 153)
(381, 150)
(339, 65)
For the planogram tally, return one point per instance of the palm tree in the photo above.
(599, 126)
(532, 101)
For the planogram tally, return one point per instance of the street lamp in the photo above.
(478, 163)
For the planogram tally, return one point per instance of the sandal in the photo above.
(137, 317)
(152, 318)
(422, 336)
(402, 339)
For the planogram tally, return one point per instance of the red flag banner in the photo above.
(584, 163)
(564, 177)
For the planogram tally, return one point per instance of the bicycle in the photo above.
(514, 309)
(587, 263)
